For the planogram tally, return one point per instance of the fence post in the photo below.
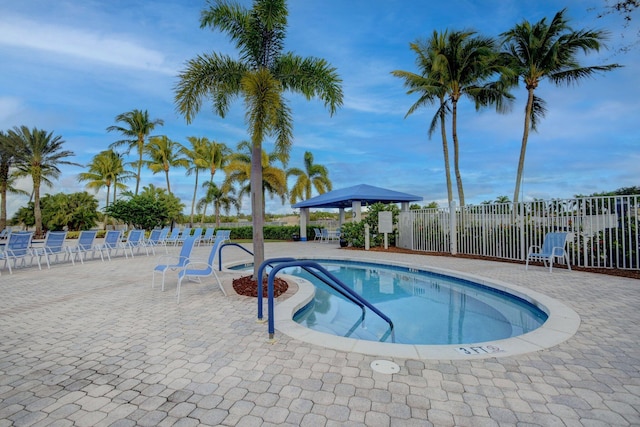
(453, 233)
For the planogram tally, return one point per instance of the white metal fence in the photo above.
(604, 231)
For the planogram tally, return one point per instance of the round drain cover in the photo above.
(385, 367)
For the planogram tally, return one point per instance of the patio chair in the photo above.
(207, 237)
(156, 238)
(184, 234)
(53, 245)
(17, 248)
(111, 243)
(552, 247)
(4, 233)
(172, 238)
(197, 233)
(135, 240)
(166, 263)
(83, 246)
(198, 269)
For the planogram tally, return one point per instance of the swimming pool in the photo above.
(425, 307)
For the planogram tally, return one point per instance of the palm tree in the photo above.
(104, 170)
(240, 168)
(221, 198)
(313, 175)
(163, 155)
(38, 154)
(430, 85)
(260, 76)
(547, 50)
(7, 179)
(137, 127)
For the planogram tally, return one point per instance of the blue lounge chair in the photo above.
(166, 263)
(83, 246)
(17, 248)
(111, 243)
(552, 247)
(156, 238)
(172, 238)
(207, 237)
(135, 240)
(184, 235)
(198, 269)
(53, 245)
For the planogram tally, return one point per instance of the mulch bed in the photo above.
(247, 286)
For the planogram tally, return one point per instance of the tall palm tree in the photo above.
(313, 175)
(221, 199)
(38, 154)
(163, 155)
(547, 50)
(260, 76)
(7, 179)
(463, 66)
(137, 126)
(240, 170)
(197, 163)
(429, 84)
(103, 171)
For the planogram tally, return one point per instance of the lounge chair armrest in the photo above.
(532, 247)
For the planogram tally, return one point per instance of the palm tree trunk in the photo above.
(456, 150)
(37, 213)
(256, 207)
(523, 147)
(445, 151)
(106, 204)
(140, 150)
(166, 174)
(193, 201)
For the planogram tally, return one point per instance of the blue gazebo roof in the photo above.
(366, 194)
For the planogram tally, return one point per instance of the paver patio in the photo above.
(95, 345)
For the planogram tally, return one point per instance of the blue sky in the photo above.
(71, 66)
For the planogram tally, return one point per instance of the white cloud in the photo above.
(112, 49)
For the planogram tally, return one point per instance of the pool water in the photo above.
(426, 308)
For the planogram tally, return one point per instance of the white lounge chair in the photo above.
(111, 244)
(135, 240)
(552, 247)
(172, 238)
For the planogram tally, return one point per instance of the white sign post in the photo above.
(385, 225)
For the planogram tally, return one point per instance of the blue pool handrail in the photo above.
(336, 281)
(269, 263)
(224, 245)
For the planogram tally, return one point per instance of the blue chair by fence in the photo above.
(17, 248)
(53, 246)
(198, 269)
(552, 247)
(83, 246)
(166, 263)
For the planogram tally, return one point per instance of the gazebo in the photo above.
(351, 197)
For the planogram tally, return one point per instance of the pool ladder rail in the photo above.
(322, 274)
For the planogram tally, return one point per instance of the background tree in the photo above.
(76, 211)
(137, 126)
(38, 154)
(429, 84)
(163, 155)
(547, 51)
(260, 76)
(313, 176)
(221, 199)
(153, 207)
(7, 180)
(240, 168)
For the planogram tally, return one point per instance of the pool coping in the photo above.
(562, 323)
